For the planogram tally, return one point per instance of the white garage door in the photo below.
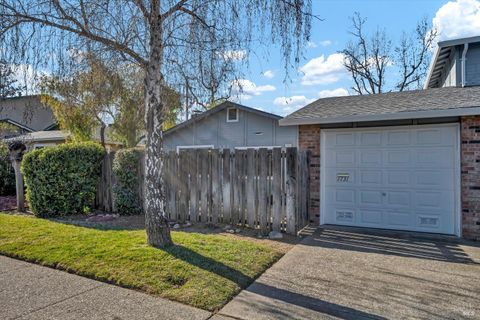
(402, 178)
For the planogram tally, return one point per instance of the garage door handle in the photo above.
(384, 194)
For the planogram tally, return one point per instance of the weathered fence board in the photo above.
(226, 186)
(251, 188)
(259, 188)
(276, 189)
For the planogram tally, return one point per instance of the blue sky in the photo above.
(320, 72)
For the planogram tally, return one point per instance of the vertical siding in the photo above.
(472, 68)
(251, 130)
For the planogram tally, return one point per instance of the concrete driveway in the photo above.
(353, 274)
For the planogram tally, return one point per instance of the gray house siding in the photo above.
(472, 67)
(452, 76)
(251, 130)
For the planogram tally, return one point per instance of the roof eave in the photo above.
(467, 111)
(433, 62)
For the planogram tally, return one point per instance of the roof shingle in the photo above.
(326, 109)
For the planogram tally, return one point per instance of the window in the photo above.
(232, 115)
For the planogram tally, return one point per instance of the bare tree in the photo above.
(367, 58)
(159, 36)
(8, 83)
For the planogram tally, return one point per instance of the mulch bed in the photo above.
(8, 203)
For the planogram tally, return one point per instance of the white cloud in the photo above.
(27, 77)
(291, 104)
(325, 43)
(311, 44)
(235, 55)
(323, 71)
(339, 92)
(458, 19)
(269, 74)
(245, 89)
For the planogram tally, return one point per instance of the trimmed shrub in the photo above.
(62, 180)
(126, 190)
(7, 174)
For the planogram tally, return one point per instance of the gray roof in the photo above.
(429, 103)
(41, 136)
(26, 112)
(441, 57)
(222, 106)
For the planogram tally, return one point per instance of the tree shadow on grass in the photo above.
(208, 264)
(288, 297)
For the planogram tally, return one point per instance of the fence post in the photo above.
(17, 149)
(291, 186)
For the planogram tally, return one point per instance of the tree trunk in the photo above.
(156, 222)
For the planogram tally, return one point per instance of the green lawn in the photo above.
(204, 271)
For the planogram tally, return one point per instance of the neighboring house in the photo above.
(403, 161)
(26, 114)
(230, 125)
(42, 139)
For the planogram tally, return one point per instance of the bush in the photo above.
(62, 180)
(7, 174)
(127, 175)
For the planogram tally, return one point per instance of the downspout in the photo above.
(464, 55)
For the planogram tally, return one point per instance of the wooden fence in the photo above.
(265, 189)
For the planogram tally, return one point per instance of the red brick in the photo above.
(470, 178)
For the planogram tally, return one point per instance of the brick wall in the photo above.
(470, 155)
(309, 139)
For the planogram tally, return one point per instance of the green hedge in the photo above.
(62, 180)
(7, 174)
(127, 175)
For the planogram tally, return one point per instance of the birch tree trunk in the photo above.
(156, 223)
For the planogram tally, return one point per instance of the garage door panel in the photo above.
(397, 158)
(371, 177)
(344, 196)
(398, 138)
(398, 198)
(398, 178)
(434, 179)
(342, 215)
(370, 197)
(398, 219)
(435, 136)
(369, 216)
(434, 157)
(392, 178)
(341, 139)
(373, 138)
(370, 158)
(429, 137)
(433, 200)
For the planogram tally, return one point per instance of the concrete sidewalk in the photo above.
(29, 291)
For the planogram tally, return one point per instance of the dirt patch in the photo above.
(105, 221)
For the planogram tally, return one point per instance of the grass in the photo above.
(204, 271)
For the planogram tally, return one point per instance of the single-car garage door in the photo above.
(403, 178)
